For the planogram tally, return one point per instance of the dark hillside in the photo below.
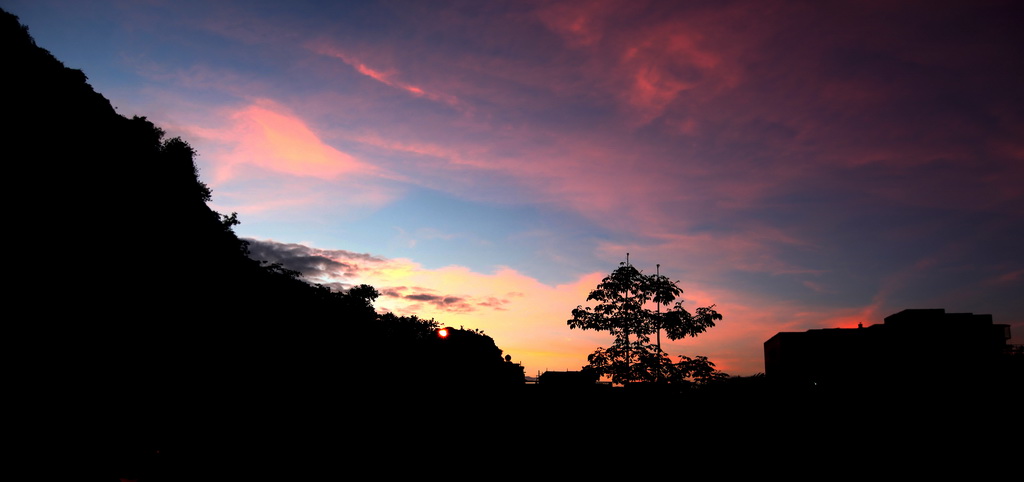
(140, 321)
(124, 259)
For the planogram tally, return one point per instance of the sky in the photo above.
(798, 165)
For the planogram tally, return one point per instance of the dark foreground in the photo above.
(426, 431)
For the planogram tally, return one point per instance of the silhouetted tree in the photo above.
(623, 310)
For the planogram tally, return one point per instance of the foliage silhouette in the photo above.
(623, 310)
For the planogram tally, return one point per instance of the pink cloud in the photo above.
(271, 138)
(263, 160)
(267, 135)
(647, 58)
(389, 77)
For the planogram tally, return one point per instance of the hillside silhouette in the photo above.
(144, 325)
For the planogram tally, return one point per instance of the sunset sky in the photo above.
(797, 164)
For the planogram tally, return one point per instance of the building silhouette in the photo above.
(914, 349)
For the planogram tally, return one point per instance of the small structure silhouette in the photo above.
(916, 348)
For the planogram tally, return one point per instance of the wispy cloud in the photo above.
(389, 77)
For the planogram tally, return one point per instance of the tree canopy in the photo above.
(623, 309)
